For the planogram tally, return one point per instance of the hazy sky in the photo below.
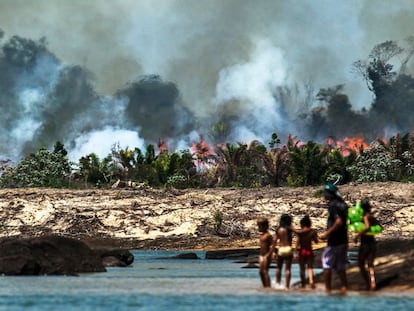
(190, 41)
(215, 51)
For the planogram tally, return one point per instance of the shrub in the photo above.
(41, 169)
(336, 170)
(218, 218)
(375, 164)
(178, 181)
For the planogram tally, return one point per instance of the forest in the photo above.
(342, 144)
(232, 165)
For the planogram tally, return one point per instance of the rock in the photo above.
(231, 253)
(115, 257)
(250, 265)
(186, 256)
(182, 256)
(113, 261)
(51, 255)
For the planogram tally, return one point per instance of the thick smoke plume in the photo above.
(92, 74)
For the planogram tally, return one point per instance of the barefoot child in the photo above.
(367, 248)
(266, 250)
(306, 236)
(284, 249)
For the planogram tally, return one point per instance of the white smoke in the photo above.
(101, 142)
(209, 49)
(26, 126)
(31, 89)
(253, 84)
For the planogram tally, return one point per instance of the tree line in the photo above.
(293, 163)
(255, 164)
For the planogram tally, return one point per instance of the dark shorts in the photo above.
(367, 249)
(334, 257)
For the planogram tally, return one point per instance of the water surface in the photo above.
(171, 284)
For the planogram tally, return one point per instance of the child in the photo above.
(284, 250)
(367, 248)
(306, 236)
(266, 250)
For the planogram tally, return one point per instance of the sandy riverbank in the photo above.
(145, 218)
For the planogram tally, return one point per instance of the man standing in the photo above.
(334, 256)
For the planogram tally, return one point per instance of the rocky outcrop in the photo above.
(53, 255)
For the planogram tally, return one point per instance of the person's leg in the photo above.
(302, 271)
(361, 264)
(344, 282)
(327, 274)
(341, 258)
(372, 284)
(328, 258)
(264, 274)
(371, 273)
(287, 270)
(310, 271)
(279, 269)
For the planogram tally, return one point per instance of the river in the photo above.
(156, 282)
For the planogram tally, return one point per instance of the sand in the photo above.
(146, 218)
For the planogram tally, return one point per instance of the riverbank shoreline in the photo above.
(206, 219)
(394, 264)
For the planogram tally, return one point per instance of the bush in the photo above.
(42, 169)
(177, 181)
(375, 164)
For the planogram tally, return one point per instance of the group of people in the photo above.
(334, 256)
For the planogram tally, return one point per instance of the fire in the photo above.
(162, 146)
(349, 144)
(202, 149)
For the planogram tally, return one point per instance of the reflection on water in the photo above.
(170, 284)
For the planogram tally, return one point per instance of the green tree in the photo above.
(386, 76)
(375, 164)
(277, 161)
(241, 165)
(336, 169)
(94, 171)
(227, 159)
(41, 169)
(275, 140)
(337, 115)
(308, 164)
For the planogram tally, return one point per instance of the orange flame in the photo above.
(162, 146)
(202, 149)
(349, 144)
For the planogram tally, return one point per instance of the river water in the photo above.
(157, 283)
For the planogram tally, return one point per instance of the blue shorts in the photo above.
(335, 257)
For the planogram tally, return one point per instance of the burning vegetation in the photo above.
(43, 100)
(292, 164)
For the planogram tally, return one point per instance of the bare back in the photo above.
(306, 237)
(284, 237)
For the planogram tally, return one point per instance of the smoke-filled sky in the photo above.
(135, 71)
